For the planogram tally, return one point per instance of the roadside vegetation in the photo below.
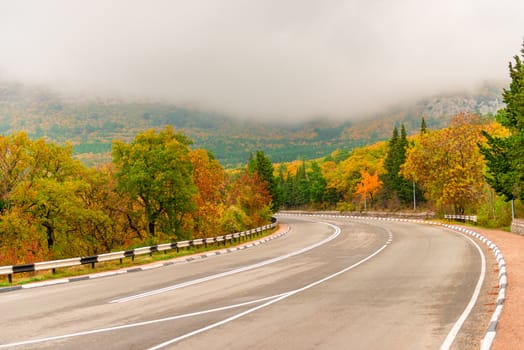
(158, 189)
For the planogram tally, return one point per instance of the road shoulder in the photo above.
(510, 330)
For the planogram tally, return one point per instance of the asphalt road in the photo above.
(349, 285)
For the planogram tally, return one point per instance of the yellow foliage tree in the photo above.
(448, 166)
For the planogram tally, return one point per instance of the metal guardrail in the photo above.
(517, 226)
(472, 218)
(93, 259)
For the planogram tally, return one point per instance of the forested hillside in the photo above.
(155, 190)
(91, 125)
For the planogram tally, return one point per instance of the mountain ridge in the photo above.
(91, 125)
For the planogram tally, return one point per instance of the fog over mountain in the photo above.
(271, 59)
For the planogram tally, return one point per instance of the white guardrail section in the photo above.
(461, 217)
(517, 226)
(491, 332)
(54, 264)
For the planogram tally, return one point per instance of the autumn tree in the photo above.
(155, 169)
(46, 211)
(248, 202)
(343, 177)
(47, 191)
(368, 187)
(448, 165)
(209, 178)
(110, 224)
(505, 155)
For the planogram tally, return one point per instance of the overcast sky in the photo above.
(261, 58)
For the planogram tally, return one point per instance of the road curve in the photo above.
(349, 284)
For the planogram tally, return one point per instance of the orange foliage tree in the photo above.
(209, 178)
(368, 186)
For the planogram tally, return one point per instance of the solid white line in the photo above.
(456, 327)
(268, 301)
(231, 272)
(145, 323)
(282, 297)
(214, 325)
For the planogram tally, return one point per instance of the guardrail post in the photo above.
(53, 270)
(10, 278)
(93, 265)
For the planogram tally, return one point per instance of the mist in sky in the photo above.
(266, 59)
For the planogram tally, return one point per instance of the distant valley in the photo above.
(90, 125)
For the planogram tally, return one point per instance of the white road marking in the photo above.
(456, 327)
(280, 298)
(145, 323)
(267, 301)
(231, 272)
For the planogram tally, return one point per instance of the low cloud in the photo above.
(261, 59)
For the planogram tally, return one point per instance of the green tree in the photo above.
(396, 186)
(301, 186)
(262, 165)
(155, 169)
(423, 126)
(318, 183)
(505, 155)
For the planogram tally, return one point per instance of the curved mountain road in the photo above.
(349, 284)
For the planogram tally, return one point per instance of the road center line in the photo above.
(138, 324)
(273, 301)
(267, 301)
(231, 272)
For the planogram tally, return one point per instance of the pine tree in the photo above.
(318, 183)
(262, 165)
(395, 185)
(423, 127)
(505, 156)
(302, 185)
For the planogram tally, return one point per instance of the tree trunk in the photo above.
(151, 228)
(50, 236)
